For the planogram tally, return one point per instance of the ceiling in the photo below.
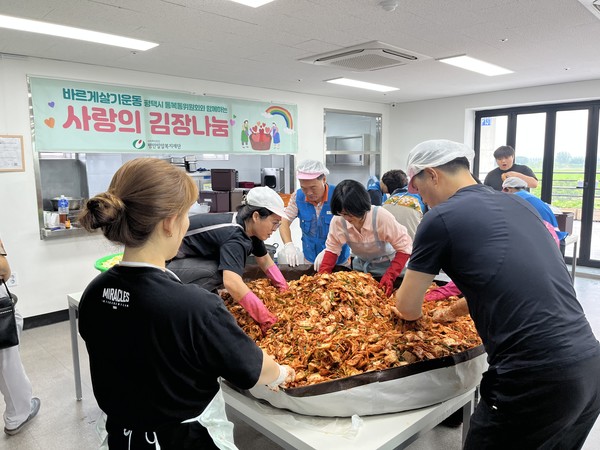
(542, 41)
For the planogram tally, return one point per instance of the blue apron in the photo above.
(315, 229)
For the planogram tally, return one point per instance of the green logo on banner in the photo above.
(139, 144)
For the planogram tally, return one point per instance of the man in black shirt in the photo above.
(542, 389)
(505, 158)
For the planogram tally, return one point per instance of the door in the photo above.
(560, 144)
(352, 145)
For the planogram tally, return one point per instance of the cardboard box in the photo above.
(218, 201)
(235, 198)
(223, 179)
(565, 222)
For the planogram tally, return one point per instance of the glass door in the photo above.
(593, 186)
(569, 164)
(492, 133)
(530, 143)
(560, 144)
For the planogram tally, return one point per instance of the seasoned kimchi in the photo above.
(337, 325)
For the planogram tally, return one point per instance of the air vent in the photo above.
(372, 55)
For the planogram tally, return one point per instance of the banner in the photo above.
(72, 116)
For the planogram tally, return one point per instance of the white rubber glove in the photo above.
(319, 260)
(291, 255)
(286, 376)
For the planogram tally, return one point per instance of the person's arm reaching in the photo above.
(409, 297)
(277, 278)
(248, 299)
(457, 309)
(439, 293)
(273, 374)
(328, 262)
(531, 181)
(390, 275)
(291, 255)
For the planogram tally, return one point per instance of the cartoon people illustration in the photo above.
(245, 134)
(276, 137)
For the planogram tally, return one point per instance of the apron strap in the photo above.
(212, 227)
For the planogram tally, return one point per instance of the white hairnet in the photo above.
(514, 182)
(310, 169)
(435, 153)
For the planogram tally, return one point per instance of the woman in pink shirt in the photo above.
(379, 244)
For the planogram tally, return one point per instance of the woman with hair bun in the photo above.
(157, 346)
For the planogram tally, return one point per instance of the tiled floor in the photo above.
(66, 424)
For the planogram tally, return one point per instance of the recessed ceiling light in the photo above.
(362, 84)
(253, 3)
(475, 65)
(34, 26)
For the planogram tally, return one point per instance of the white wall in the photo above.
(453, 118)
(48, 270)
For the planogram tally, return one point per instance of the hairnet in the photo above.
(310, 169)
(435, 153)
(514, 182)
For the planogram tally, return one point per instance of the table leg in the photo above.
(574, 262)
(75, 350)
(467, 411)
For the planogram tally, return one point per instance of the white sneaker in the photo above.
(35, 407)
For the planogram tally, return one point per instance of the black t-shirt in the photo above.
(229, 245)
(496, 249)
(157, 347)
(494, 178)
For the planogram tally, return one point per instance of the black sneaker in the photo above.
(35, 407)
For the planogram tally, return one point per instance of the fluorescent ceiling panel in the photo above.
(475, 65)
(362, 85)
(253, 3)
(34, 26)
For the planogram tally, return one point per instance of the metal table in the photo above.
(73, 301)
(571, 239)
(381, 432)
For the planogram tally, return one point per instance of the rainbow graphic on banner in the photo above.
(279, 111)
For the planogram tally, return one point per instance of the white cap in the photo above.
(265, 197)
(514, 182)
(311, 169)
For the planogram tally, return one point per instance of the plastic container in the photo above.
(63, 210)
(106, 262)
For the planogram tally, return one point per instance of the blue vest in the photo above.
(315, 229)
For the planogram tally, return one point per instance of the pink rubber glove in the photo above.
(277, 278)
(440, 293)
(258, 311)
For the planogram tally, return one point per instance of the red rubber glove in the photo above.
(442, 292)
(328, 263)
(390, 275)
(274, 274)
(258, 311)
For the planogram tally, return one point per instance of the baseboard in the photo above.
(46, 319)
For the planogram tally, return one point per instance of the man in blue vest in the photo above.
(311, 204)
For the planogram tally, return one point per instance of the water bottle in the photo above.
(63, 210)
